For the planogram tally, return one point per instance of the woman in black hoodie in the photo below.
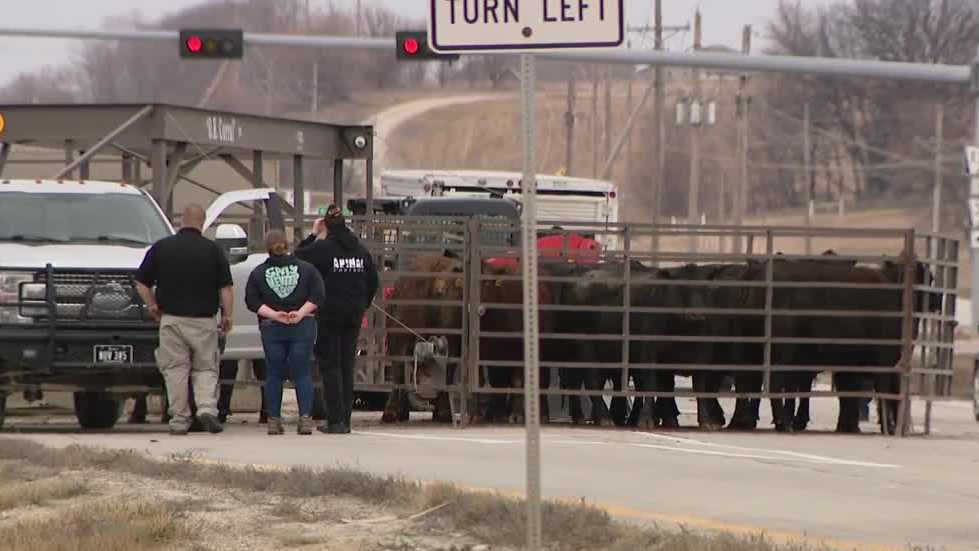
(286, 292)
(351, 283)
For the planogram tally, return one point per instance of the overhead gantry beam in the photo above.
(951, 74)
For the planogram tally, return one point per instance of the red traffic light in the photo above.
(411, 46)
(195, 44)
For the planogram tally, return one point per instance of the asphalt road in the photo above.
(867, 491)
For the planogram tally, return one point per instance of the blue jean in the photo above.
(288, 354)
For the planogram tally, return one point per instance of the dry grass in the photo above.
(490, 518)
(290, 541)
(100, 526)
(39, 492)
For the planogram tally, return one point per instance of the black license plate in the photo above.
(113, 354)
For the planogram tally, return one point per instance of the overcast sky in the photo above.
(722, 21)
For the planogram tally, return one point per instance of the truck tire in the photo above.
(3, 408)
(97, 410)
(975, 393)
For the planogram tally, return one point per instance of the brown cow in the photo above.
(449, 287)
(508, 349)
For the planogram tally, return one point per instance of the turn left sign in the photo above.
(457, 26)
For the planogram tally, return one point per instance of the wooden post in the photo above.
(936, 200)
(594, 123)
(659, 129)
(744, 104)
(807, 180)
(693, 192)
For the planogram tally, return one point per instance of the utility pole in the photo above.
(740, 199)
(628, 109)
(594, 122)
(659, 128)
(569, 120)
(936, 200)
(607, 146)
(693, 199)
(807, 161)
(315, 107)
(359, 16)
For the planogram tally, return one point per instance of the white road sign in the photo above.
(456, 26)
(972, 160)
(974, 211)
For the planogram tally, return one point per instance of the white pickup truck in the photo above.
(70, 319)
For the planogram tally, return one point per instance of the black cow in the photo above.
(589, 290)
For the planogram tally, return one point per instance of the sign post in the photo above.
(972, 171)
(488, 26)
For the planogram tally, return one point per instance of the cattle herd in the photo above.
(678, 321)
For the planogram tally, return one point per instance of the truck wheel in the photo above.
(975, 393)
(97, 410)
(3, 408)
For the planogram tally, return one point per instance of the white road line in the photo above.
(741, 453)
(804, 458)
(430, 437)
(787, 453)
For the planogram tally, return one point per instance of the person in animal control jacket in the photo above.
(351, 282)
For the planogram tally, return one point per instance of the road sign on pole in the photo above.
(473, 26)
(511, 25)
(530, 307)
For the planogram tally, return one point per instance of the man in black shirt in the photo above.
(351, 283)
(191, 275)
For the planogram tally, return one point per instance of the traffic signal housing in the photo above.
(413, 46)
(212, 43)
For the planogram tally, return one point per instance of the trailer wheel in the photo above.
(975, 393)
(97, 410)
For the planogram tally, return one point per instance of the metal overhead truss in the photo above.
(172, 140)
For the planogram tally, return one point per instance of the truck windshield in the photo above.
(122, 219)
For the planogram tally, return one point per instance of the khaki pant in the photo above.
(189, 350)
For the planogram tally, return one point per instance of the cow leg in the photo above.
(601, 416)
(667, 413)
(619, 409)
(887, 409)
(496, 405)
(545, 383)
(643, 409)
(516, 400)
(572, 379)
(781, 412)
(849, 417)
(801, 421)
(702, 382)
(746, 409)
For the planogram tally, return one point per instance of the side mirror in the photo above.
(233, 240)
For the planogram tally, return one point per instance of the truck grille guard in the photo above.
(74, 300)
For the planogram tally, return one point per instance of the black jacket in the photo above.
(349, 276)
(283, 283)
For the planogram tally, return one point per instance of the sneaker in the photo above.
(305, 426)
(210, 423)
(275, 426)
(178, 431)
